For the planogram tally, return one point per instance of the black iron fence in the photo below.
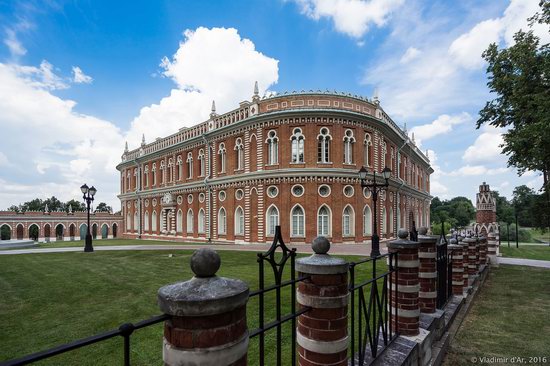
(372, 328)
(444, 265)
(276, 258)
(125, 331)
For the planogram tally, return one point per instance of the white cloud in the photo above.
(441, 125)
(436, 187)
(14, 45)
(468, 170)
(79, 77)
(210, 64)
(410, 55)
(466, 50)
(486, 148)
(4, 159)
(47, 135)
(351, 17)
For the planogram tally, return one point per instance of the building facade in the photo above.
(290, 160)
(486, 211)
(58, 226)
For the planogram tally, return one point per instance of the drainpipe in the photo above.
(208, 189)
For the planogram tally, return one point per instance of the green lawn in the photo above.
(541, 252)
(105, 242)
(509, 318)
(51, 299)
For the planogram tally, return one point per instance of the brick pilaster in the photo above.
(322, 333)
(208, 316)
(472, 256)
(492, 243)
(427, 272)
(457, 258)
(406, 277)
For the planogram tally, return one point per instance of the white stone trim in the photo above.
(408, 264)
(427, 295)
(322, 302)
(431, 255)
(405, 313)
(427, 274)
(322, 346)
(408, 289)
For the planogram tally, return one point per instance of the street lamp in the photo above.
(374, 188)
(88, 196)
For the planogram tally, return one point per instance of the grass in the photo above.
(541, 252)
(509, 318)
(52, 299)
(106, 242)
(539, 235)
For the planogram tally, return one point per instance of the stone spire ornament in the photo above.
(375, 98)
(256, 96)
(413, 140)
(213, 110)
(46, 209)
(70, 209)
(126, 147)
(143, 139)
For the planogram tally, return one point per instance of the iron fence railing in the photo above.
(373, 318)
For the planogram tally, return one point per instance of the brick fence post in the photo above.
(478, 253)
(472, 270)
(482, 251)
(492, 243)
(465, 261)
(406, 278)
(457, 267)
(427, 272)
(322, 333)
(208, 316)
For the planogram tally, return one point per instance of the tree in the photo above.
(458, 211)
(102, 206)
(505, 211)
(75, 205)
(524, 204)
(54, 204)
(518, 76)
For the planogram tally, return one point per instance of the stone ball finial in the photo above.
(402, 233)
(205, 262)
(320, 245)
(453, 241)
(423, 230)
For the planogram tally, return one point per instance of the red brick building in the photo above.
(291, 159)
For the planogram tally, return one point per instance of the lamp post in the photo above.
(374, 188)
(88, 196)
(517, 229)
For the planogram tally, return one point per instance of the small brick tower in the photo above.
(486, 210)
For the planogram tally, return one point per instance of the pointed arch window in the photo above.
(323, 221)
(367, 221)
(272, 148)
(384, 221)
(297, 146)
(348, 221)
(201, 221)
(135, 179)
(170, 170)
(128, 222)
(272, 220)
(391, 220)
(190, 165)
(349, 140)
(323, 145)
(367, 145)
(162, 172)
(221, 153)
(146, 174)
(129, 184)
(239, 221)
(190, 221)
(136, 220)
(146, 221)
(154, 222)
(239, 148)
(154, 174)
(179, 222)
(202, 163)
(298, 222)
(384, 157)
(222, 221)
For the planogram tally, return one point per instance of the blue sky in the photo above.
(78, 78)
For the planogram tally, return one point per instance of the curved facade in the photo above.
(289, 160)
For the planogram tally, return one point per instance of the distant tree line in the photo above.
(55, 205)
(458, 211)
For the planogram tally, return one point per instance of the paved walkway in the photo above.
(340, 249)
(524, 262)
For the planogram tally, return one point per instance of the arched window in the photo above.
(221, 153)
(323, 145)
(323, 221)
(348, 222)
(367, 221)
(399, 223)
(297, 146)
(272, 148)
(146, 173)
(392, 159)
(384, 221)
(298, 221)
(154, 222)
(272, 220)
(349, 140)
(190, 164)
(201, 221)
(179, 222)
(202, 162)
(136, 219)
(240, 153)
(128, 222)
(129, 186)
(154, 173)
(146, 221)
(367, 145)
(170, 169)
(179, 163)
(162, 172)
(190, 221)
(384, 157)
(135, 178)
(222, 221)
(239, 221)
